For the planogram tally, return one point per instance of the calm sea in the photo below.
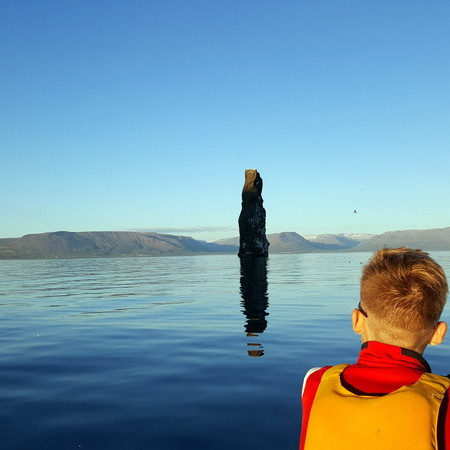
(171, 353)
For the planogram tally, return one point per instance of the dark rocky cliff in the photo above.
(252, 220)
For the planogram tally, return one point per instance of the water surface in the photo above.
(171, 353)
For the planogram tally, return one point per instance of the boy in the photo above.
(389, 399)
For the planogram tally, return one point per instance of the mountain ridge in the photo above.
(104, 244)
(67, 244)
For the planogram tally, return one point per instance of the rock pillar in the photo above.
(252, 220)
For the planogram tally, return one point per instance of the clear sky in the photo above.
(144, 115)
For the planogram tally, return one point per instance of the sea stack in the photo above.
(252, 220)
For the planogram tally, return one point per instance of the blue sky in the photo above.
(144, 115)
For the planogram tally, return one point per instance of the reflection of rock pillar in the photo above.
(254, 293)
(252, 220)
(254, 299)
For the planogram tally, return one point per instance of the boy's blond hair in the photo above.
(404, 289)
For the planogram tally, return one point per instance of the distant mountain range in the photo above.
(65, 244)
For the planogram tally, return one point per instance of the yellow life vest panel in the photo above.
(403, 419)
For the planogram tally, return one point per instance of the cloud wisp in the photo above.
(189, 230)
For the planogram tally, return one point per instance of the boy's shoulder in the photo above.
(310, 385)
(312, 379)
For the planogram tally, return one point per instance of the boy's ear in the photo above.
(358, 321)
(438, 333)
